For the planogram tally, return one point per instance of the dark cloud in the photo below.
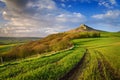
(18, 6)
(17, 3)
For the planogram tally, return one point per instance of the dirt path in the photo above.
(72, 75)
(93, 66)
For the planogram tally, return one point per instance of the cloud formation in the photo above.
(106, 3)
(108, 19)
(112, 14)
(36, 18)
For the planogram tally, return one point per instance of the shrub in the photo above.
(53, 42)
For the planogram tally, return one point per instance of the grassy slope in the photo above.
(4, 48)
(103, 61)
(109, 46)
(53, 42)
(13, 40)
(6, 43)
(54, 66)
(50, 67)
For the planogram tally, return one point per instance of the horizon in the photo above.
(38, 18)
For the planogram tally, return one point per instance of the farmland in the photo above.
(49, 67)
(6, 43)
(89, 59)
(102, 61)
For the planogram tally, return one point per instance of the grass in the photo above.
(112, 53)
(53, 42)
(13, 40)
(110, 47)
(100, 63)
(6, 43)
(4, 48)
(50, 67)
(104, 51)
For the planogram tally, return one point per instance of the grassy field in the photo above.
(50, 67)
(99, 62)
(13, 40)
(4, 48)
(6, 43)
(102, 61)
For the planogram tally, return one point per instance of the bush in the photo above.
(54, 42)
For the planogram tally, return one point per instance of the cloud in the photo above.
(36, 18)
(63, 5)
(108, 20)
(113, 2)
(69, 6)
(107, 3)
(108, 15)
(63, 0)
(66, 6)
(73, 17)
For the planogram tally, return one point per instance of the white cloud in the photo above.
(2, 0)
(71, 17)
(108, 15)
(108, 21)
(63, 5)
(63, 0)
(42, 4)
(36, 18)
(113, 2)
(107, 3)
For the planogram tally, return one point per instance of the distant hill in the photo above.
(19, 38)
(83, 28)
(10, 40)
(119, 31)
(53, 42)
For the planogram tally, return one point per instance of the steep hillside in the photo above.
(53, 42)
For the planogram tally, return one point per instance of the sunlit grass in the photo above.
(55, 66)
(4, 48)
(43, 68)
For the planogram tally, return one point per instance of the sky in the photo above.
(39, 18)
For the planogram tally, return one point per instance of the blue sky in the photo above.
(36, 18)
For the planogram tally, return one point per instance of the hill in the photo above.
(53, 42)
(11, 40)
(83, 28)
(89, 59)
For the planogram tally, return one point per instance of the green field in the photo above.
(6, 43)
(102, 61)
(50, 67)
(89, 59)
